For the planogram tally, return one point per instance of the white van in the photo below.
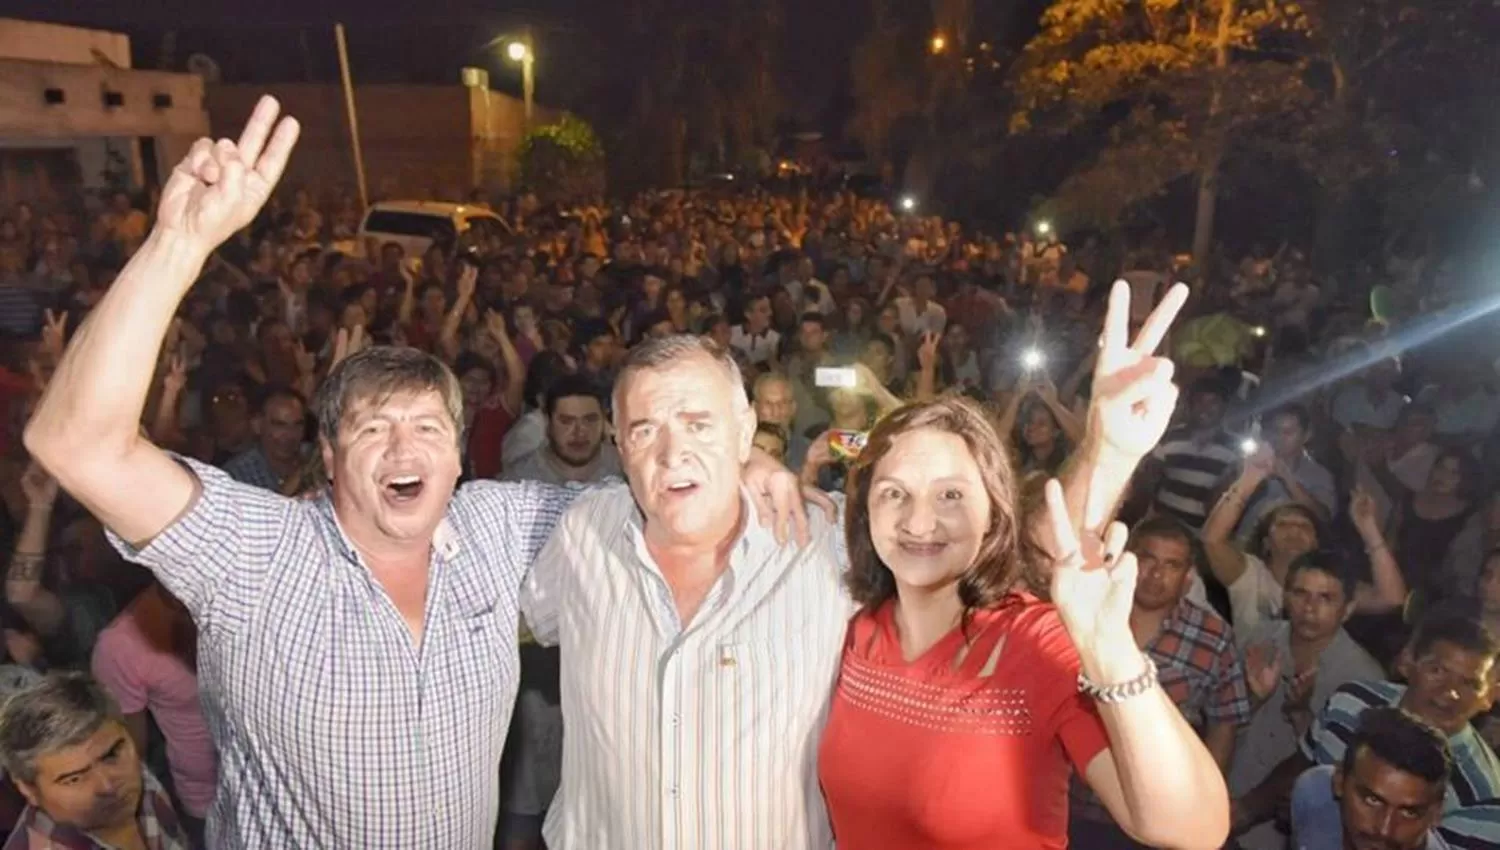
(414, 225)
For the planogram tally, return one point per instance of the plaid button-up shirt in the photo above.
(1200, 670)
(333, 729)
(156, 819)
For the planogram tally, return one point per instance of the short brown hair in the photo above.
(376, 374)
(999, 564)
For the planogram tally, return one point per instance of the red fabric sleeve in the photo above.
(1082, 734)
(1072, 718)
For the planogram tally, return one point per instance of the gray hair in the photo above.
(379, 372)
(769, 378)
(62, 710)
(664, 352)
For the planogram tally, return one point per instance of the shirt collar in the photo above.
(752, 539)
(445, 541)
(1182, 612)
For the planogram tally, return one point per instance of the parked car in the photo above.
(415, 225)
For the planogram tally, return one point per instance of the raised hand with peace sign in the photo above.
(54, 335)
(86, 429)
(1133, 400)
(1158, 780)
(221, 186)
(1133, 396)
(1093, 582)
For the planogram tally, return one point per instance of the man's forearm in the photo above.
(98, 394)
(24, 576)
(23, 579)
(1259, 803)
(1301, 496)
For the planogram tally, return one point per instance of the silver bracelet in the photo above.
(1111, 694)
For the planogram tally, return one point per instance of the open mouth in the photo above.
(682, 488)
(403, 488)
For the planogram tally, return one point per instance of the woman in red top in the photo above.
(960, 710)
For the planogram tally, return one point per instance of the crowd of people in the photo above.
(724, 519)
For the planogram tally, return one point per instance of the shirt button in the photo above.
(676, 718)
(672, 790)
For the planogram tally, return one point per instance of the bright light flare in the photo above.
(1033, 359)
(1249, 446)
(939, 43)
(1043, 227)
(516, 50)
(908, 203)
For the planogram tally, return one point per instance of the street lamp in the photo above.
(519, 50)
(939, 43)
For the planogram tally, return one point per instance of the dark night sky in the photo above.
(417, 42)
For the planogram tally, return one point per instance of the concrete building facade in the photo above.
(75, 115)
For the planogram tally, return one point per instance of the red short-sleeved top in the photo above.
(975, 757)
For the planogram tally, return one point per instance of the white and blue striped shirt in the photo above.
(1471, 805)
(696, 736)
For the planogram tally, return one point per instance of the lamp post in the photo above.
(520, 50)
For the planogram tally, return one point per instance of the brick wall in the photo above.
(415, 139)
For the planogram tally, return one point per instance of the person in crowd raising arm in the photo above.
(1285, 533)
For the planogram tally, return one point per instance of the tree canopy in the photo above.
(1340, 91)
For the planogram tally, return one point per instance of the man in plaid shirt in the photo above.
(64, 743)
(1196, 663)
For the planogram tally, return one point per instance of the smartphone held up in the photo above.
(842, 377)
(845, 445)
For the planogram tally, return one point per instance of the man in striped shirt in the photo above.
(699, 652)
(1387, 791)
(1192, 462)
(1449, 666)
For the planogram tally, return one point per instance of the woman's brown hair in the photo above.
(999, 564)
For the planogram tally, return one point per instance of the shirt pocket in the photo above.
(477, 654)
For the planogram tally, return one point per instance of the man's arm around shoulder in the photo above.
(545, 587)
